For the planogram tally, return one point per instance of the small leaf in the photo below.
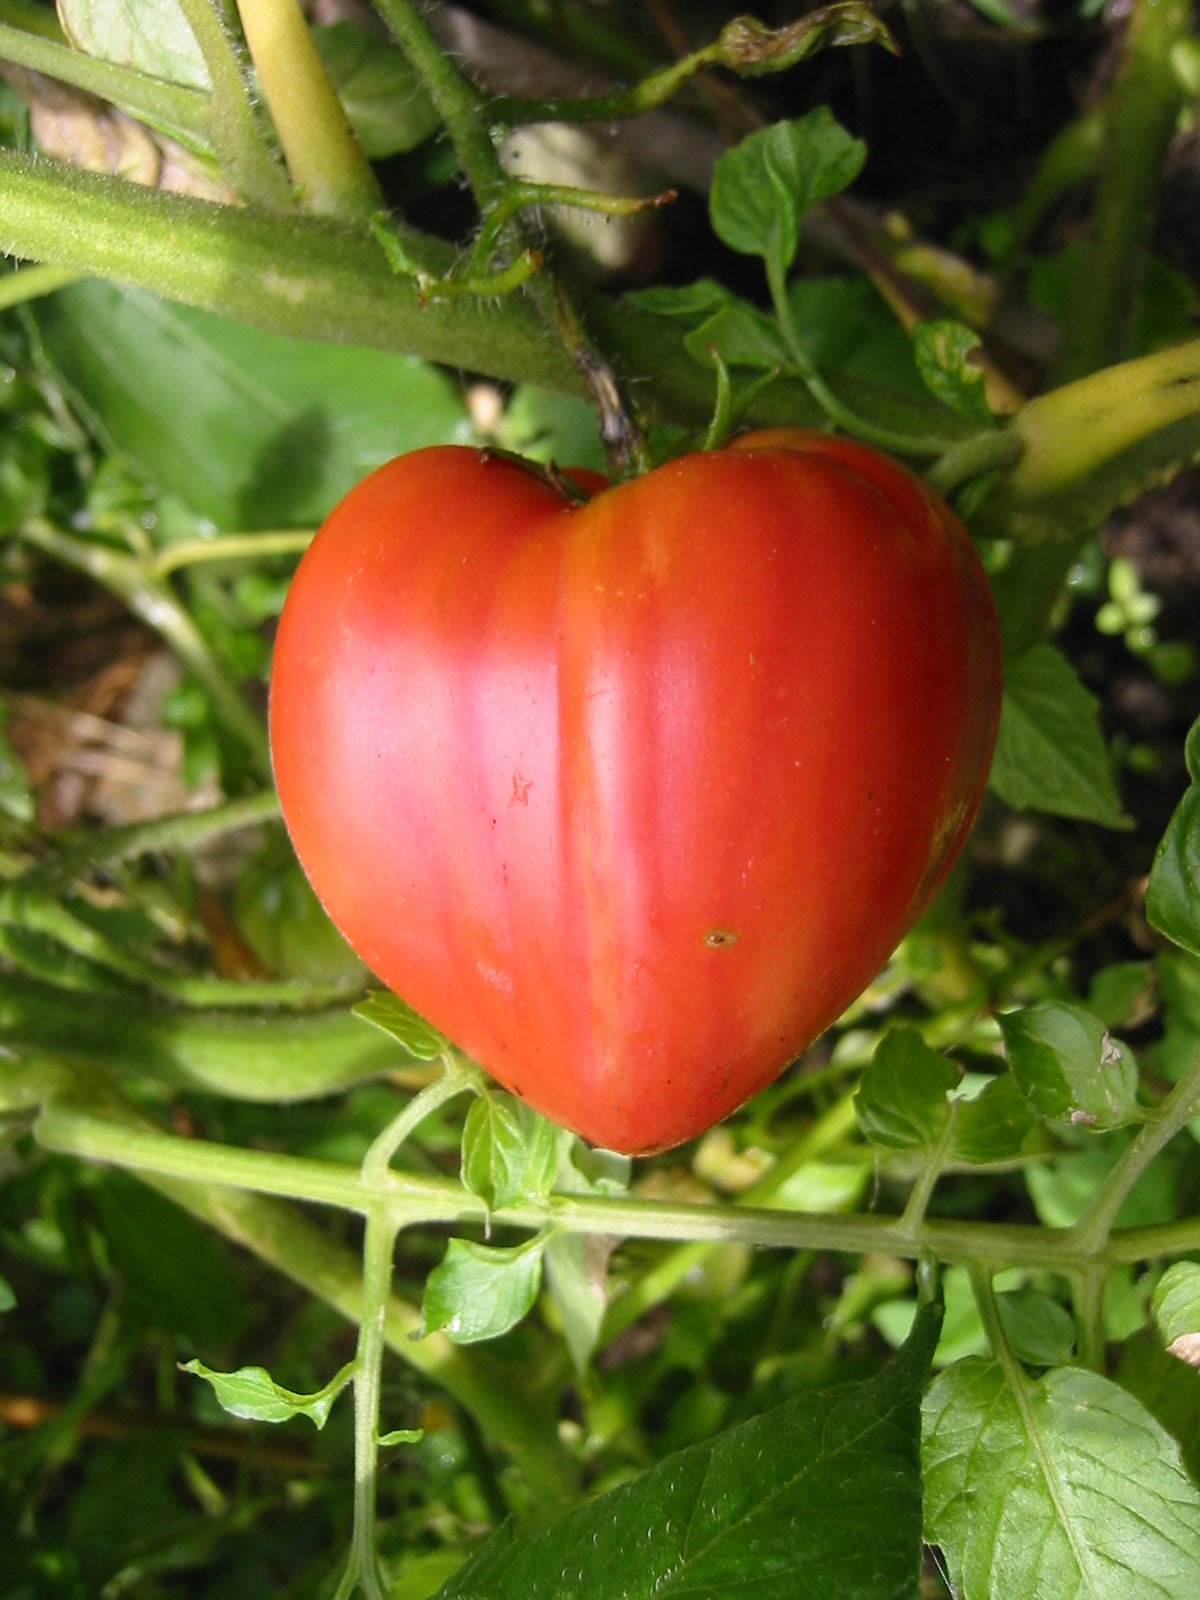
(994, 1126)
(479, 1292)
(1058, 1488)
(1049, 753)
(749, 48)
(401, 1436)
(773, 1507)
(1173, 893)
(391, 1015)
(576, 1274)
(901, 1102)
(1040, 1331)
(384, 100)
(509, 1152)
(763, 186)
(251, 1392)
(943, 353)
(7, 1298)
(1176, 1307)
(1069, 1067)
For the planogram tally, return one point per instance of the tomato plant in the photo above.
(631, 798)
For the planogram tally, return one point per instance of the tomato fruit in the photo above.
(632, 798)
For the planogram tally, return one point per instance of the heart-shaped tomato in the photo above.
(630, 799)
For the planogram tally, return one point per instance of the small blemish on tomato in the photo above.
(720, 938)
(520, 790)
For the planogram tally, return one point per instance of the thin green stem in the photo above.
(74, 1130)
(30, 283)
(185, 113)
(183, 830)
(922, 1191)
(1087, 1295)
(460, 106)
(456, 1078)
(379, 1244)
(1141, 116)
(1160, 1127)
(235, 131)
(832, 405)
(231, 547)
(126, 576)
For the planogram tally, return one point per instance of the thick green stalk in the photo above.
(1143, 110)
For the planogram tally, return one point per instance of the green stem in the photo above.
(30, 283)
(1142, 114)
(1070, 432)
(379, 1245)
(412, 1199)
(1160, 1127)
(922, 1191)
(995, 450)
(831, 404)
(231, 547)
(456, 1078)
(460, 106)
(183, 830)
(236, 134)
(326, 162)
(1087, 1294)
(154, 603)
(185, 113)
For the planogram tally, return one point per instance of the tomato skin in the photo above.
(632, 798)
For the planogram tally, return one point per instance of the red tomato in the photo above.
(632, 798)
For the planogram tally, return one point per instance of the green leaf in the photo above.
(479, 1292)
(1069, 1067)
(252, 1393)
(763, 186)
(151, 35)
(277, 430)
(1040, 1331)
(400, 1436)
(996, 1125)
(7, 1298)
(1176, 1307)
(1169, 1389)
(1173, 893)
(1049, 752)
(391, 1015)
(943, 355)
(772, 1508)
(901, 1102)
(1058, 1488)
(509, 1152)
(384, 100)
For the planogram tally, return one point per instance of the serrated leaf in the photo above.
(1175, 1304)
(1049, 752)
(278, 430)
(1170, 1391)
(943, 352)
(1061, 1488)
(479, 1292)
(771, 1509)
(151, 35)
(994, 1126)
(1069, 1067)
(252, 1393)
(391, 1015)
(763, 186)
(1173, 892)
(509, 1152)
(901, 1102)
